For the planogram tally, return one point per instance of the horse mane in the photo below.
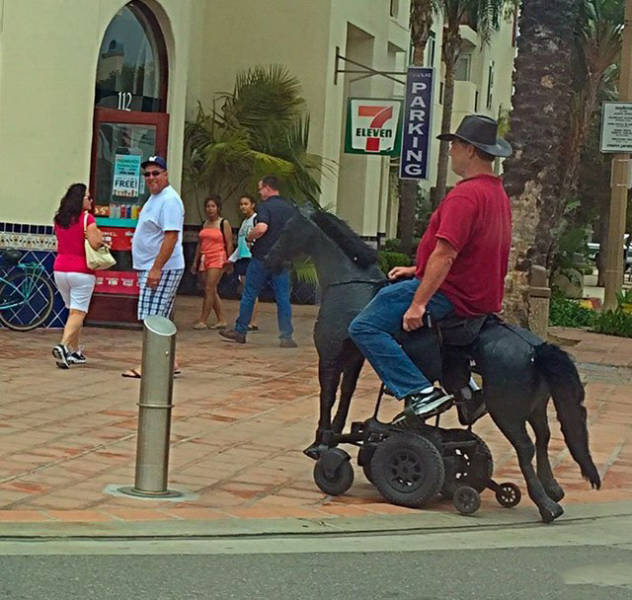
(346, 239)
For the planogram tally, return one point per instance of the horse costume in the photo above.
(520, 372)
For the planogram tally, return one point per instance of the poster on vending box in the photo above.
(417, 119)
(126, 175)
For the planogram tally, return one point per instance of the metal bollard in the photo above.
(154, 415)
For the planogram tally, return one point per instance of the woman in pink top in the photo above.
(74, 280)
(211, 256)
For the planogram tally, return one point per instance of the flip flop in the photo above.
(132, 374)
(135, 374)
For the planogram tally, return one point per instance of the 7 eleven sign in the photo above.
(373, 126)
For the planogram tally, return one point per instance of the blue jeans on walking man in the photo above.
(374, 330)
(256, 278)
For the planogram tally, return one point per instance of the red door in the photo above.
(121, 141)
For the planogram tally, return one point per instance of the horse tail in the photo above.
(567, 391)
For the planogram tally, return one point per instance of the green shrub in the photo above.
(617, 321)
(387, 260)
(564, 312)
(392, 245)
(614, 322)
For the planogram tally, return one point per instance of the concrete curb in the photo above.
(424, 521)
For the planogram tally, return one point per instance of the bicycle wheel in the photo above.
(26, 300)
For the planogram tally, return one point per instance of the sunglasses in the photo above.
(152, 173)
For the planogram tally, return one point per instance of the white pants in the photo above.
(76, 289)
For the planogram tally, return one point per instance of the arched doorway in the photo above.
(130, 124)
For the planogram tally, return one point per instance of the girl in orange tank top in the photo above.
(211, 254)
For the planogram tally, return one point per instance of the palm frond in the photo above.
(305, 270)
(260, 129)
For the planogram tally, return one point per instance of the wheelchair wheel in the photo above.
(466, 500)
(508, 495)
(407, 469)
(333, 472)
(471, 465)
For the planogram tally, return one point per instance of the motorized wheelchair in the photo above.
(412, 463)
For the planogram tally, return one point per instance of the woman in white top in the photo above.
(240, 258)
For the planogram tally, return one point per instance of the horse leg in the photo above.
(329, 378)
(350, 374)
(540, 425)
(516, 433)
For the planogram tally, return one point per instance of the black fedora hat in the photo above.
(481, 132)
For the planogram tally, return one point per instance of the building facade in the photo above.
(87, 89)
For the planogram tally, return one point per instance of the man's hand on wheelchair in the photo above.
(401, 272)
(414, 317)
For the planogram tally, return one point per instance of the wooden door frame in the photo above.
(111, 115)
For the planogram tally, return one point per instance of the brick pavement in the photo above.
(242, 415)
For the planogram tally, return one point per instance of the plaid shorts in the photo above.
(159, 300)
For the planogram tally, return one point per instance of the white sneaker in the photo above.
(424, 406)
(76, 358)
(60, 352)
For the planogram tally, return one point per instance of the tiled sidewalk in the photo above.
(242, 415)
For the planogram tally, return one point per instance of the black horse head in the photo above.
(295, 236)
(337, 251)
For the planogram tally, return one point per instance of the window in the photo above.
(132, 69)
(394, 10)
(431, 46)
(476, 101)
(462, 68)
(490, 84)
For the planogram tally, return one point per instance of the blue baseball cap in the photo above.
(155, 160)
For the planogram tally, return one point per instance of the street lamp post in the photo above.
(620, 179)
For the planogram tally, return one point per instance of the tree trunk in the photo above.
(420, 25)
(408, 189)
(451, 50)
(539, 124)
(578, 137)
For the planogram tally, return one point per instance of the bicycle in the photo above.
(26, 293)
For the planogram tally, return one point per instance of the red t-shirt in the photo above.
(71, 253)
(475, 219)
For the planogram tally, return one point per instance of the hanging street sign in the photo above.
(616, 127)
(416, 124)
(373, 126)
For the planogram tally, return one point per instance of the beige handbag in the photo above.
(100, 258)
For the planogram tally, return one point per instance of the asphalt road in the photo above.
(589, 559)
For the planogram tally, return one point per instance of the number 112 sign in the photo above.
(373, 126)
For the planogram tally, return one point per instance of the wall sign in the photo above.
(373, 126)
(416, 124)
(616, 127)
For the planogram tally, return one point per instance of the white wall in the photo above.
(303, 36)
(48, 58)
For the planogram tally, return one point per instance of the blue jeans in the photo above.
(373, 331)
(256, 278)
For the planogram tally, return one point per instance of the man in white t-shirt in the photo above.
(157, 254)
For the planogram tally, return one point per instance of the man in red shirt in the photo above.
(462, 261)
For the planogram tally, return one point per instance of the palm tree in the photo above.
(484, 16)
(599, 46)
(540, 126)
(260, 128)
(421, 19)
